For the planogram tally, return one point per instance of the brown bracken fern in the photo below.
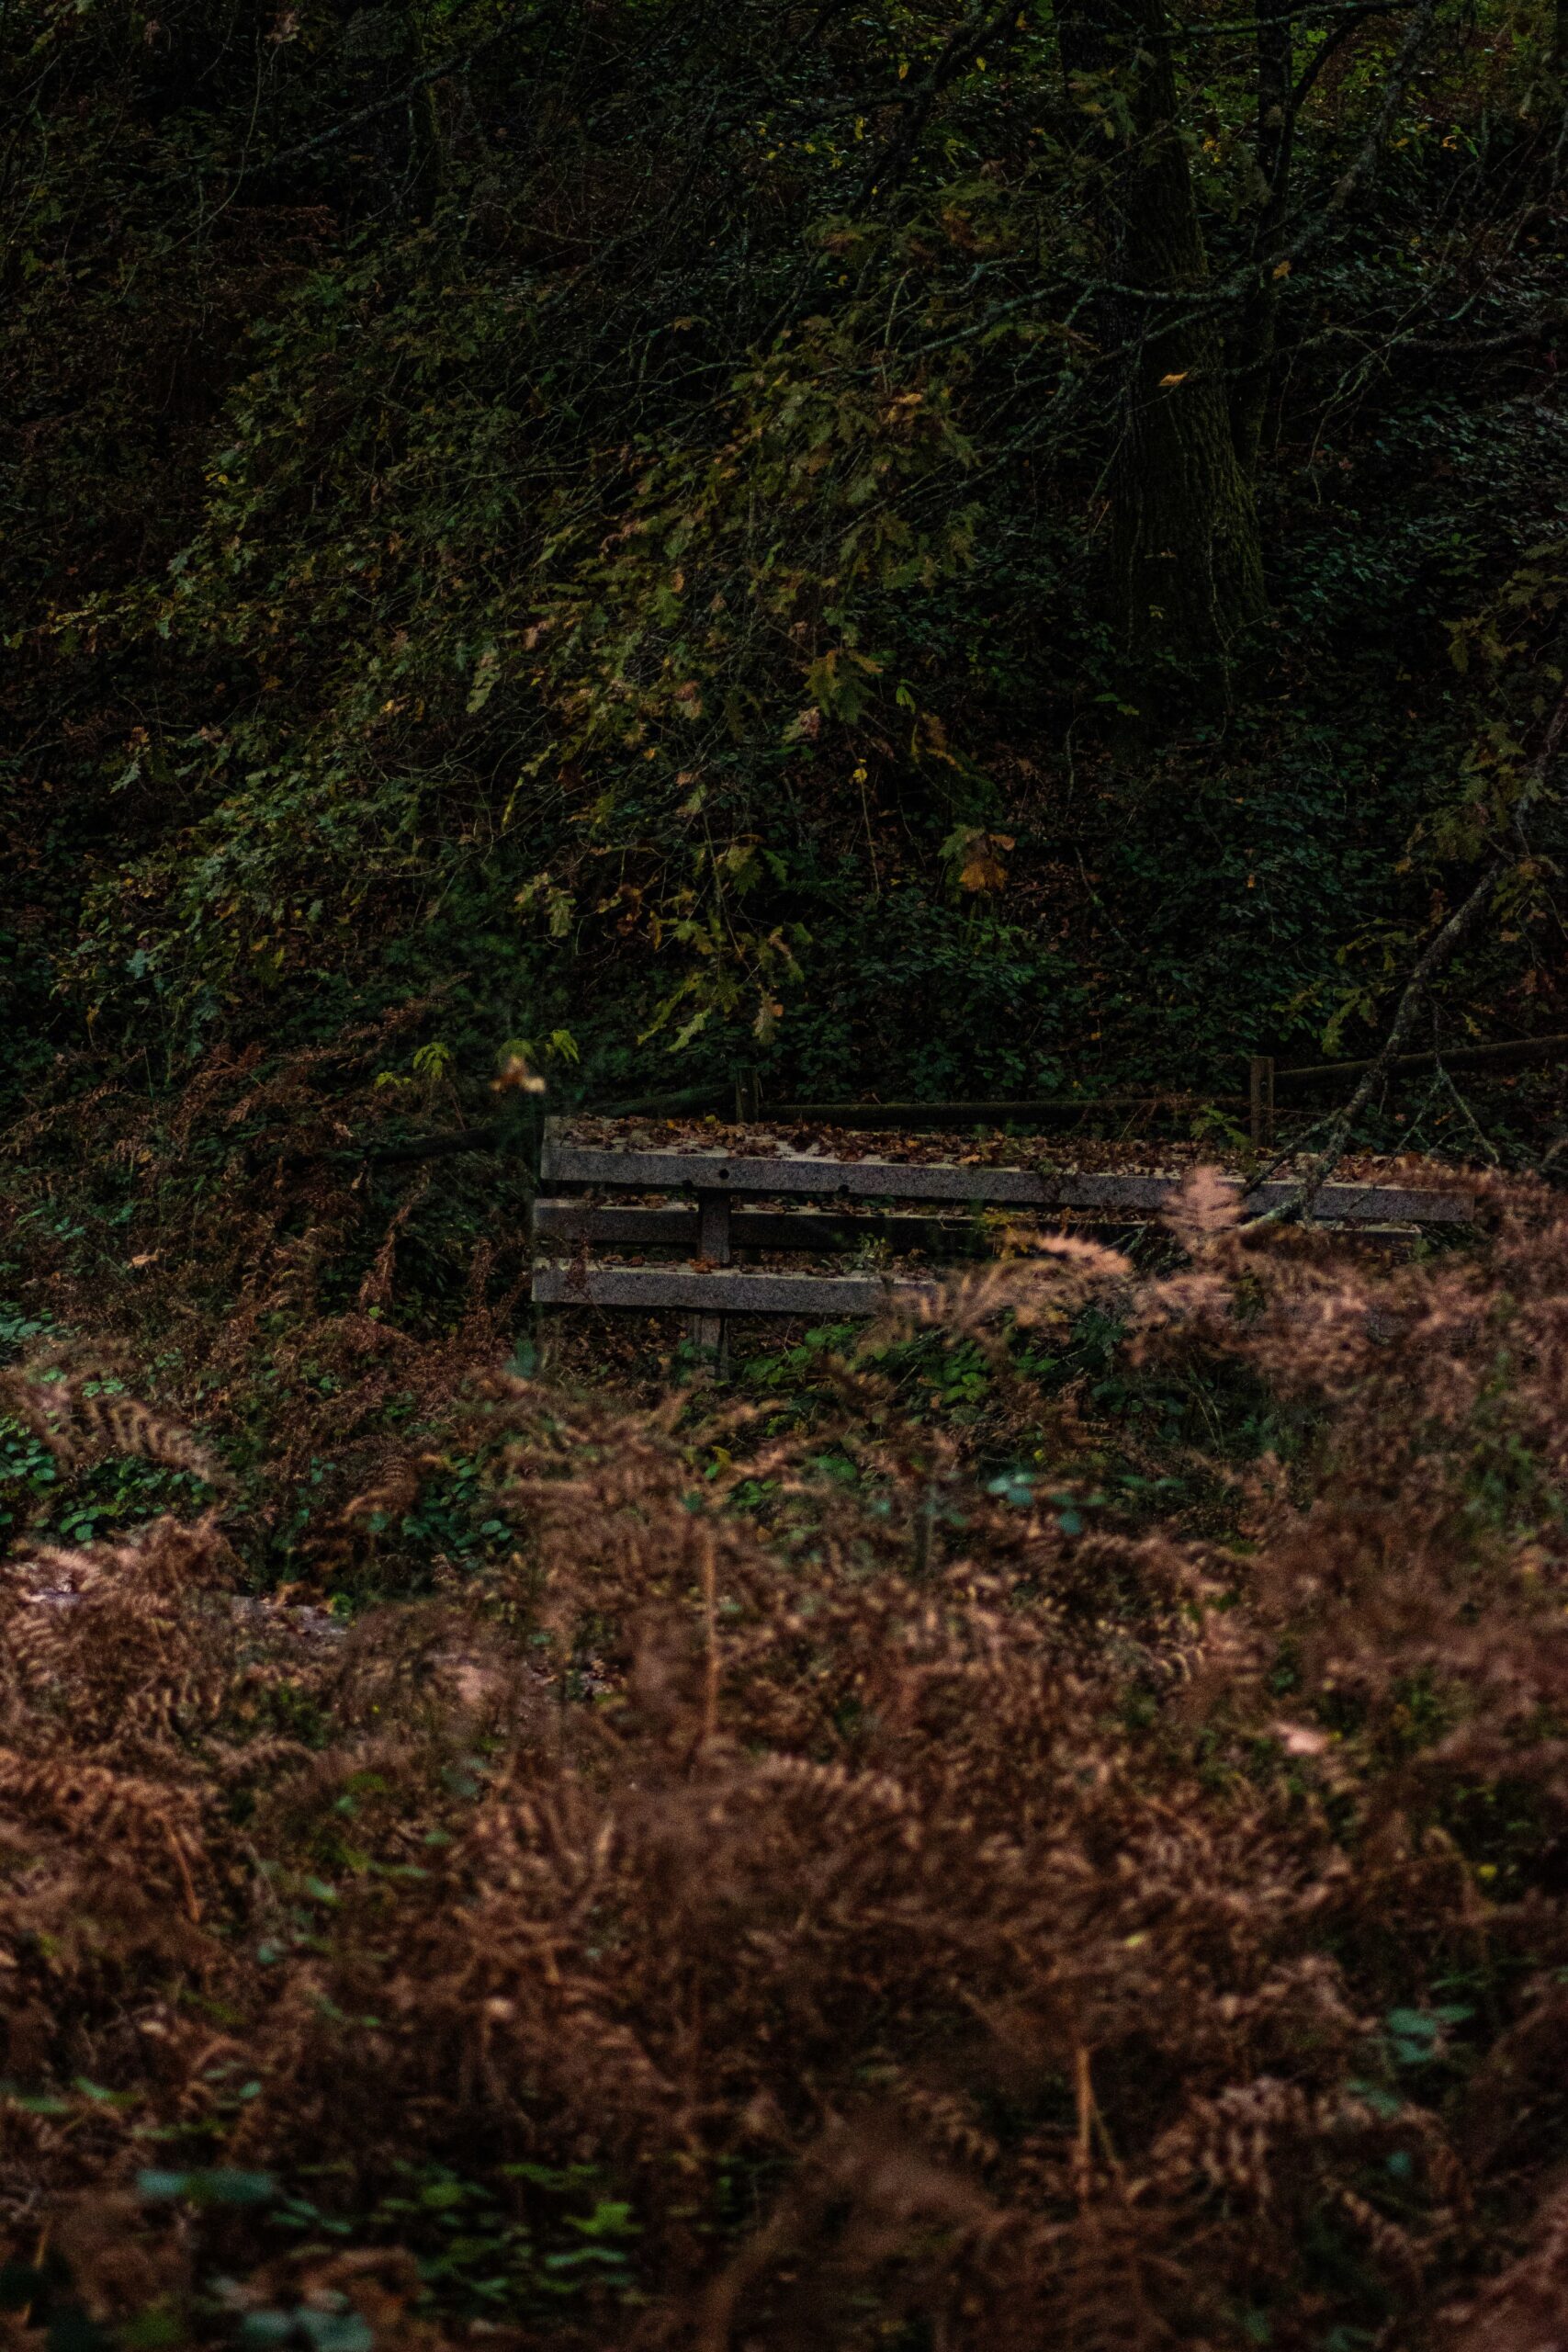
(910, 1908)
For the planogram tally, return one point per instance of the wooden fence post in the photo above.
(532, 1139)
(713, 1244)
(1262, 1093)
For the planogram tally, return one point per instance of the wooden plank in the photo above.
(1366, 1203)
(803, 1228)
(729, 1290)
(1026, 1111)
(655, 1106)
(1043, 1111)
(870, 1179)
(1508, 1053)
(804, 1175)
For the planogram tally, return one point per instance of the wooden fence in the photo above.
(710, 1223)
(1266, 1083)
(743, 1091)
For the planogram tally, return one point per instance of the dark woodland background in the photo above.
(925, 553)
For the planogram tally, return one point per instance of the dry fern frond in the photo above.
(80, 1418)
(928, 1909)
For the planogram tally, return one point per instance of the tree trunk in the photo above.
(1254, 342)
(1187, 568)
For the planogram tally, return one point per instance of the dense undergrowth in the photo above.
(819, 1875)
(612, 542)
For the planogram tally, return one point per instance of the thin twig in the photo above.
(980, 32)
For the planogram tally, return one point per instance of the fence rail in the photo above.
(802, 1228)
(1266, 1080)
(818, 1177)
(720, 1291)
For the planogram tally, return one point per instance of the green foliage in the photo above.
(510, 2244)
(27, 1471)
(600, 574)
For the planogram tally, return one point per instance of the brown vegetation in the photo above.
(775, 1909)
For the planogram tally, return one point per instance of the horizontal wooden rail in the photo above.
(1033, 1112)
(802, 1228)
(1510, 1053)
(511, 1135)
(725, 1290)
(1041, 1110)
(803, 1174)
(653, 1106)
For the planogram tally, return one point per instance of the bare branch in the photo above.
(351, 122)
(962, 49)
(1439, 952)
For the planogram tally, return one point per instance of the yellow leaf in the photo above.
(1166, 381)
(982, 871)
(1283, 270)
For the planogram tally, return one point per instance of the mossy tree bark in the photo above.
(1186, 562)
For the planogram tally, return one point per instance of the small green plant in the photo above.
(528, 2239)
